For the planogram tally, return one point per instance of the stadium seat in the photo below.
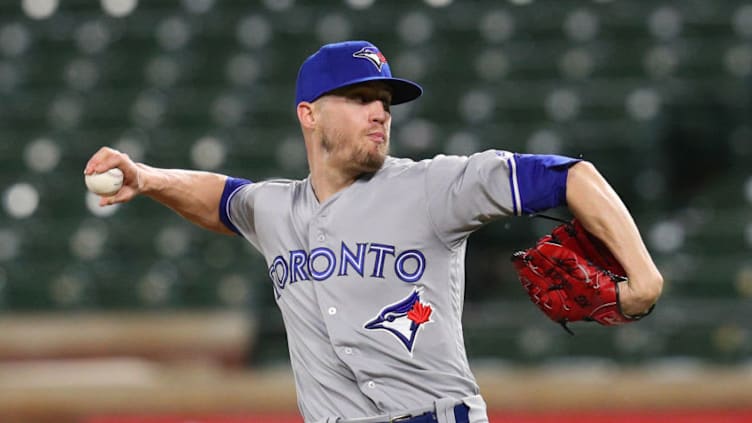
(630, 86)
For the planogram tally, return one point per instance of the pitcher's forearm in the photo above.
(195, 195)
(600, 210)
(192, 194)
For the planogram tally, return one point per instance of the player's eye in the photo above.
(387, 105)
(364, 98)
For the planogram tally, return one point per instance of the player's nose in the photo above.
(378, 112)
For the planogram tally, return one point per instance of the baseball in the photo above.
(106, 183)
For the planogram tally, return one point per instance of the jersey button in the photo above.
(371, 384)
(321, 238)
(332, 311)
(348, 350)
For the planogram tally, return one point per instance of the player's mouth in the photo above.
(377, 137)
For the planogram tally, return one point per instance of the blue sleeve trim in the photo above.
(538, 181)
(232, 186)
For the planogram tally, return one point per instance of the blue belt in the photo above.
(461, 412)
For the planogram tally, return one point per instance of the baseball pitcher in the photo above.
(366, 255)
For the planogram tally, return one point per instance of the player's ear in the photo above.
(306, 114)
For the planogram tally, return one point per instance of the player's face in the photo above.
(355, 126)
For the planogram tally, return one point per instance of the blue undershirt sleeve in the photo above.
(232, 185)
(540, 181)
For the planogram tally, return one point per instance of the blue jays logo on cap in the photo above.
(371, 54)
(403, 319)
(338, 65)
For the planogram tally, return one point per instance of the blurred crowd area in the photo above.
(656, 93)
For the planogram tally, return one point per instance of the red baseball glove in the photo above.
(571, 276)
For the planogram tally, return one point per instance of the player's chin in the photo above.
(372, 161)
(381, 149)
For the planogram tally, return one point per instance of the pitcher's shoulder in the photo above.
(399, 165)
(279, 183)
(395, 165)
(277, 187)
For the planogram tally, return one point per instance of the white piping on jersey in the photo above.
(515, 186)
(229, 201)
(457, 291)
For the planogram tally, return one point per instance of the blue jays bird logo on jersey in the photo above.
(403, 319)
(372, 55)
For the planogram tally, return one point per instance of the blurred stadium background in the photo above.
(130, 311)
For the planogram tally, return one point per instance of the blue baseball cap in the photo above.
(346, 63)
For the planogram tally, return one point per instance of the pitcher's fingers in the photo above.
(111, 200)
(105, 163)
(104, 159)
(124, 195)
(104, 201)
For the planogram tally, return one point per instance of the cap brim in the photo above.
(402, 89)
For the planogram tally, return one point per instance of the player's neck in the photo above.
(329, 174)
(326, 182)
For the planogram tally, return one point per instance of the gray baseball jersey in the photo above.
(370, 283)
